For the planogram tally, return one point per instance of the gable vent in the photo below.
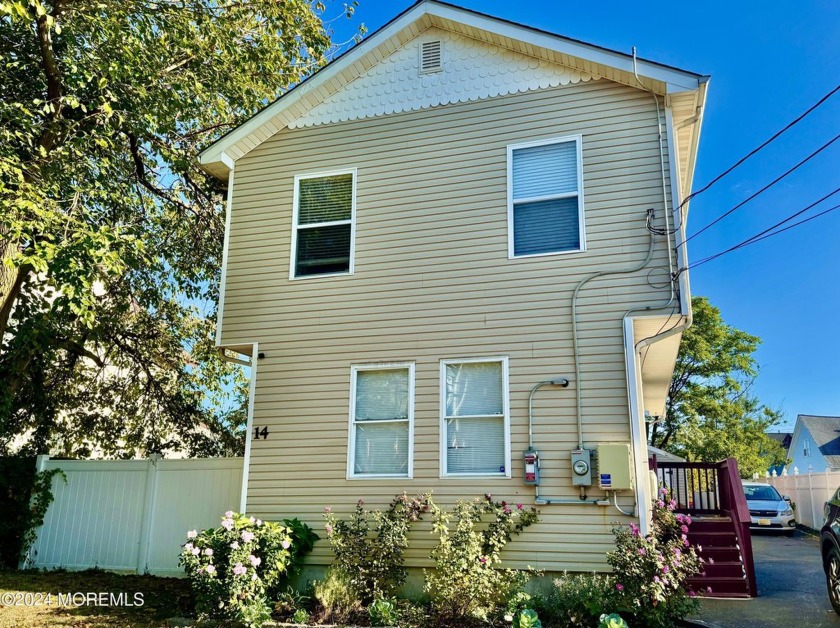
(430, 57)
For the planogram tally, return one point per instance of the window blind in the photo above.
(324, 231)
(382, 394)
(546, 199)
(381, 422)
(325, 199)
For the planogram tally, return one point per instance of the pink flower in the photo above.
(711, 561)
(634, 529)
(708, 589)
(482, 560)
(329, 529)
(488, 496)
(253, 576)
(688, 520)
(188, 547)
(208, 552)
(234, 545)
(195, 551)
(642, 551)
(192, 534)
(227, 524)
(663, 491)
(684, 529)
(247, 536)
(210, 569)
(507, 510)
(229, 514)
(665, 569)
(660, 503)
(259, 522)
(519, 506)
(656, 579)
(252, 520)
(239, 569)
(254, 561)
(691, 593)
(327, 509)
(619, 587)
(286, 544)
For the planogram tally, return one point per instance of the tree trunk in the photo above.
(11, 282)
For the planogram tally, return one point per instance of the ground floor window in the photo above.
(475, 430)
(381, 421)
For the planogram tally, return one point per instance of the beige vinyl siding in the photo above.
(433, 281)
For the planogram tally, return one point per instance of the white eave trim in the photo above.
(674, 79)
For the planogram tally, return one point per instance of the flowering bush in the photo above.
(369, 548)
(235, 567)
(578, 600)
(651, 571)
(467, 581)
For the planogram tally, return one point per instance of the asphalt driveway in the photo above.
(791, 588)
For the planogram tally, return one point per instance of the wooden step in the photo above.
(723, 569)
(709, 525)
(720, 554)
(722, 538)
(721, 586)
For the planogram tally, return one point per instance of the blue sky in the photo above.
(769, 61)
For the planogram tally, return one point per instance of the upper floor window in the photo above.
(323, 231)
(381, 420)
(545, 197)
(474, 414)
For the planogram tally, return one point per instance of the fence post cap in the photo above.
(796, 470)
(773, 473)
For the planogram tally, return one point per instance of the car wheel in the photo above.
(832, 578)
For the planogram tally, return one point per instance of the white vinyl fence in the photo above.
(132, 515)
(809, 491)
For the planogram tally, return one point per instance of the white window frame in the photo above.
(296, 226)
(351, 444)
(578, 140)
(444, 474)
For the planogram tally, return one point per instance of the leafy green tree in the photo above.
(110, 235)
(710, 412)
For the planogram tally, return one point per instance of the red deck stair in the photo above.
(712, 493)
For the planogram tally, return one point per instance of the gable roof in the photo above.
(783, 438)
(825, 432)
(685, 90)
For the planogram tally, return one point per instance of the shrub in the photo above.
(370, 548)
(467, 581)
(651, 571)
(235, 567)
(578, 600)
(336, 598)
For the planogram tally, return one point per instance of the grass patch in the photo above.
(162, 598)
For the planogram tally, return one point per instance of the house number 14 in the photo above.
(260, 433)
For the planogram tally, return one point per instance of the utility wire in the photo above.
(769, 232)
(755, 150)
(762, 190)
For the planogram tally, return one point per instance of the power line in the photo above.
(760, 147)
(762, 190)
(769, 232)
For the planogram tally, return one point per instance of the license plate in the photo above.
(764, 522)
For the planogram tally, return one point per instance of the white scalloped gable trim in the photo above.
(472, 70)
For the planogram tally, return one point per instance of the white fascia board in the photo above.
(214, 152)
(676, 80)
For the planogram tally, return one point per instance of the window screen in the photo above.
(324, 225)
(474, 418)
(381, 418)
(546, 200)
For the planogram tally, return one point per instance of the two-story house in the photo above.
(453, 258)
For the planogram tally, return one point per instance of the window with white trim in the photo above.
(323, 231)
(475, 417)
(545, 197)
(381, 421)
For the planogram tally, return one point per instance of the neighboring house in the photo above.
(454, 212)
(815, 445)
(783, 438)
(662, 455)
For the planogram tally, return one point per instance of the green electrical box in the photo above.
(614, 472)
